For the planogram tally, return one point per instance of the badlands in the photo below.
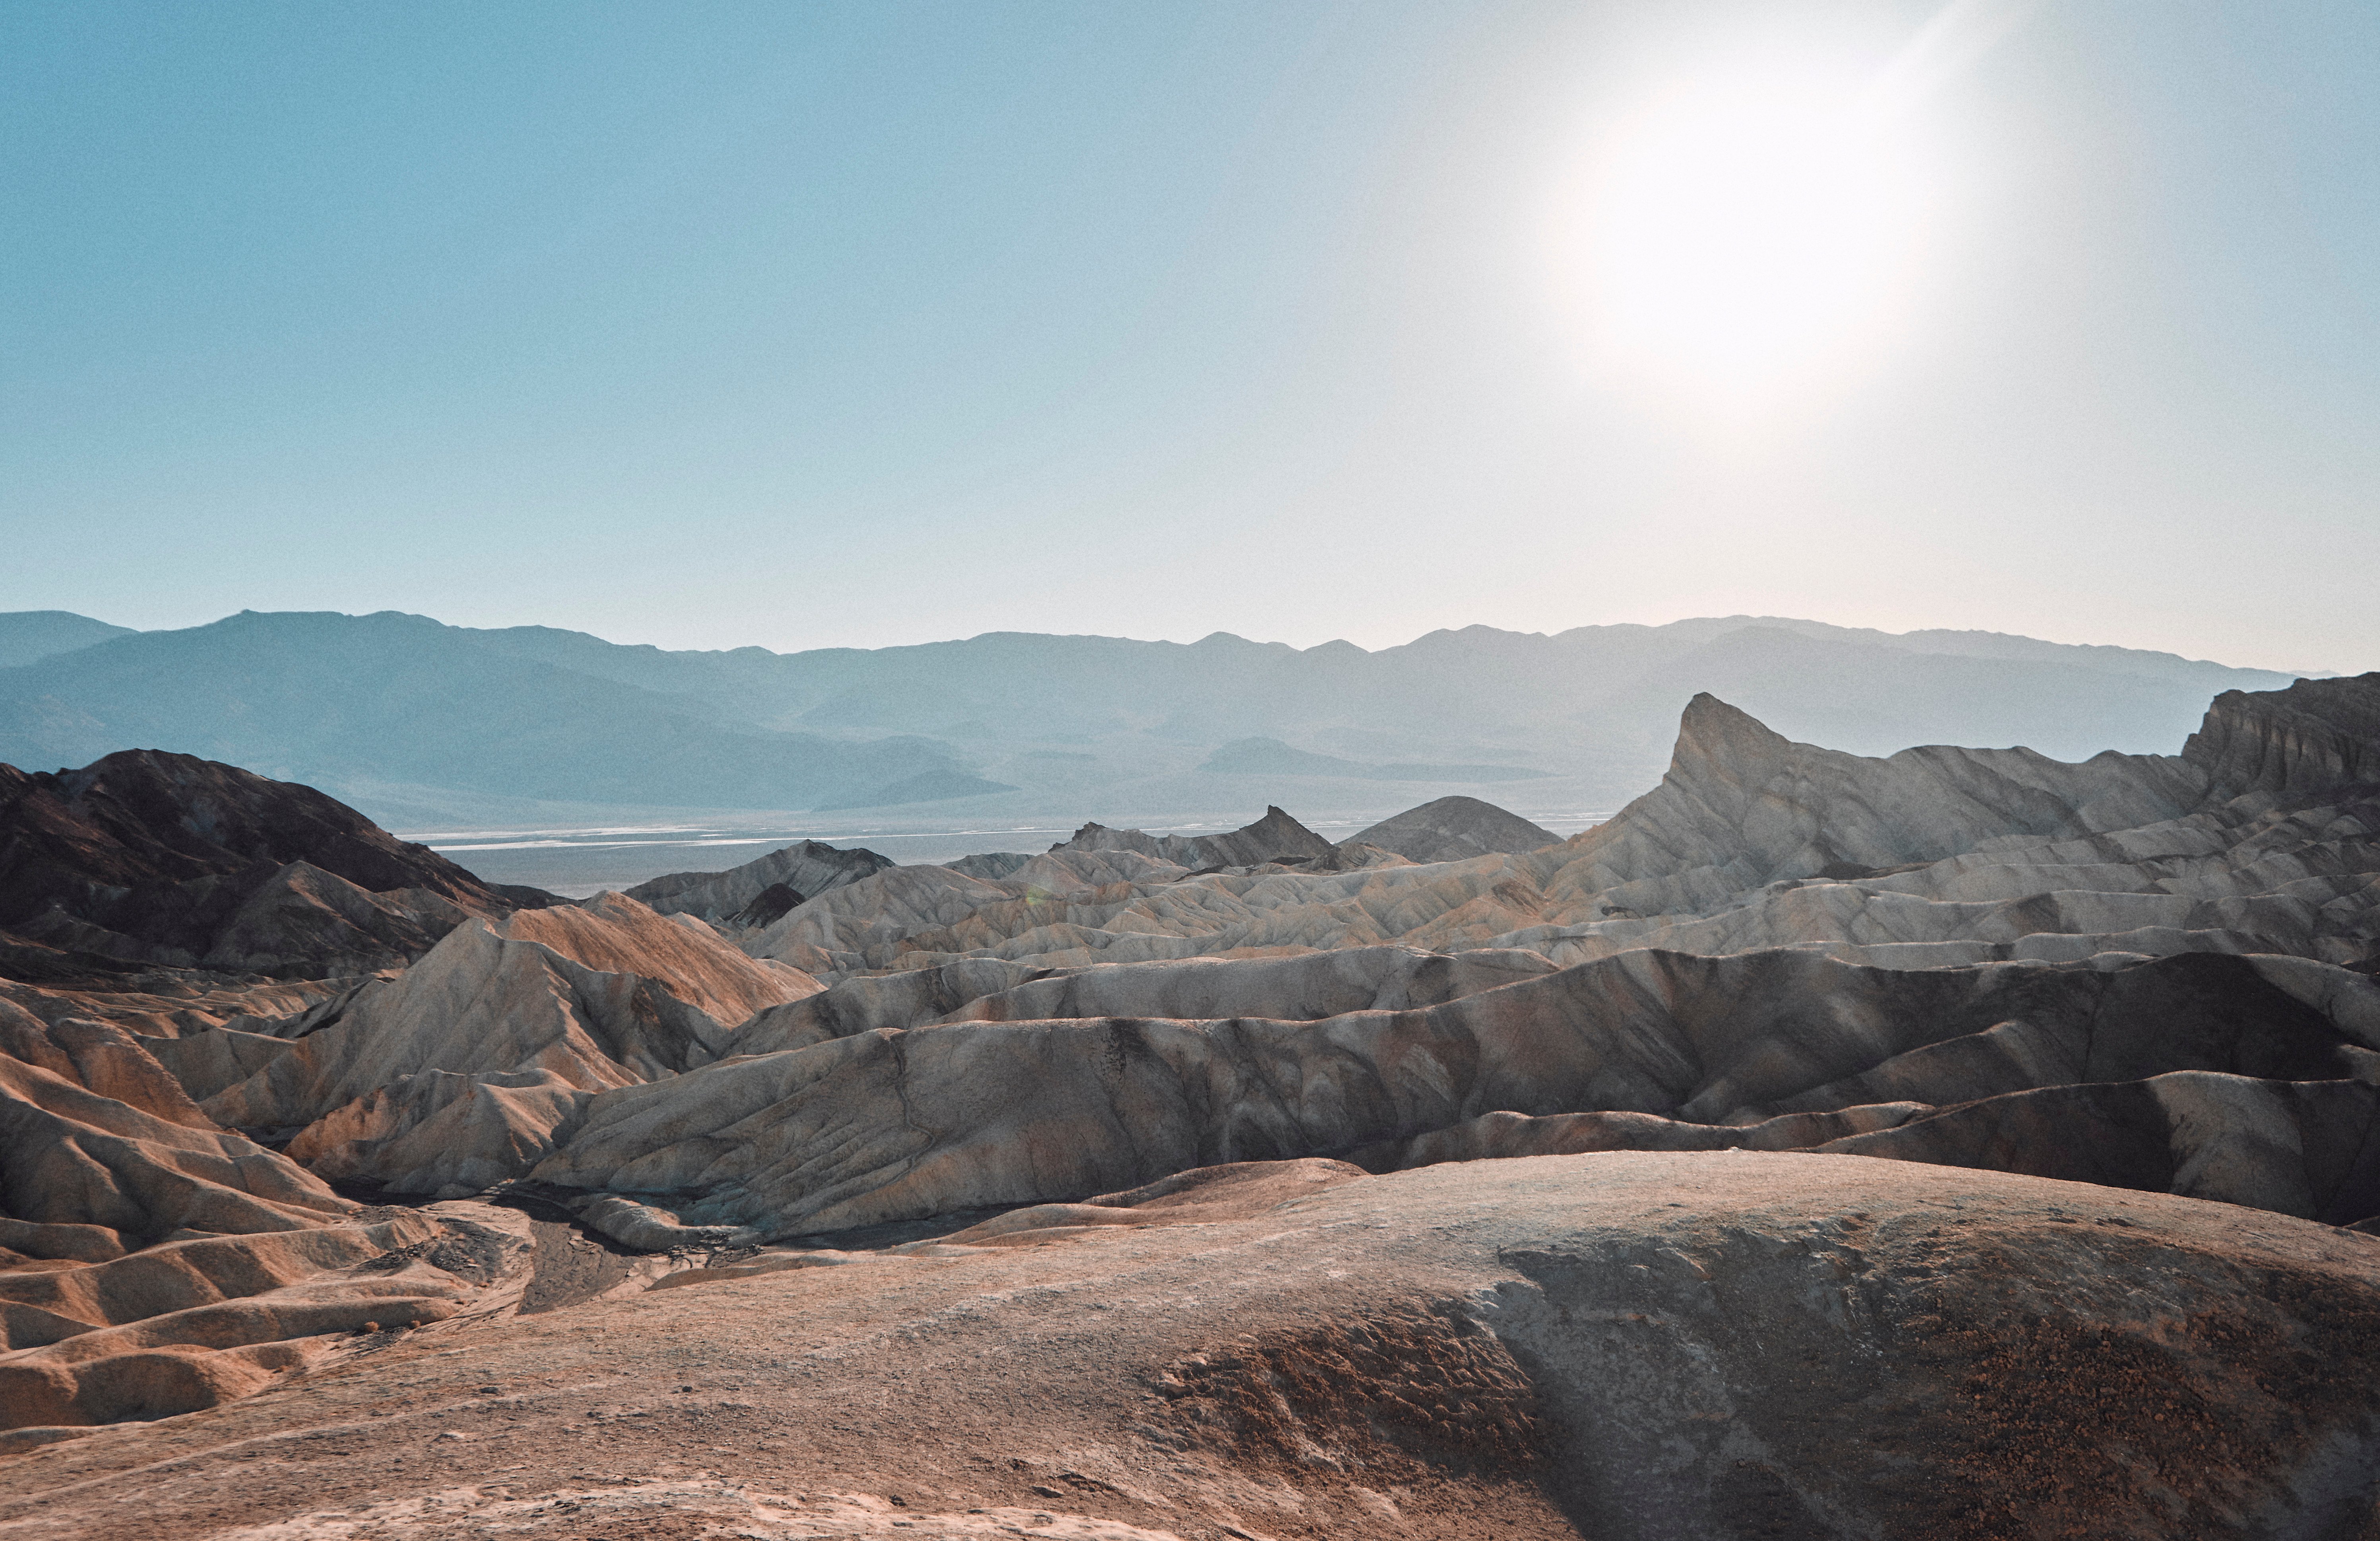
(1961, 1142)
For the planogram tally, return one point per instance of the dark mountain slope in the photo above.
(1452, 829)
(168, 859)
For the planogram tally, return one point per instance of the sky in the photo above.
(827, 324)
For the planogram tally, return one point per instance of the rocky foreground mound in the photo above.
(1673, 1346)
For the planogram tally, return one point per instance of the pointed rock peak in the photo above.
(1713, 737)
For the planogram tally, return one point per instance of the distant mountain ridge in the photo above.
(327, 699)
(29, 636)
(1013, 721)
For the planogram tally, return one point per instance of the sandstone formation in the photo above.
(460, 1072)
(1454, 828)
(103, 1152)
(2307, 738)
(1305, 987)
(152, 1264)
(1932, 856)
(886, 1125)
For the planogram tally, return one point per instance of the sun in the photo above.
(1742, 235)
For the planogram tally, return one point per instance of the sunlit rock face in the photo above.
(1932, 856)
(1914, 934)
(460, 1072)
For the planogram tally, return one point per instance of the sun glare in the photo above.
(1747, 235)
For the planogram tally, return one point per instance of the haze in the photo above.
(874, 324)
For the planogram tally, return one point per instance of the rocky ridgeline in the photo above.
(2141, 973)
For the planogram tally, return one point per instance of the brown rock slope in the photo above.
(152, 1264)
(1621, 1346)
(461, 1072)
(165, 858)
(152, 1259)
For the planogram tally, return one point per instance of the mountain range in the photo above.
(411, 720)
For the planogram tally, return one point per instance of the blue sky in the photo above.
(822, 324)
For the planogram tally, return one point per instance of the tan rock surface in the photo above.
(462, 1071)
(887, 1126)
(1934, 856)
(152, 1263)
(99, 1143)
(1624, 1346)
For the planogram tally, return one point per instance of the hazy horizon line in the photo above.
(1229, 635)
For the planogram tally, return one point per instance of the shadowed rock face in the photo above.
(168, 859)
(2316, 733)
(896, 1125)
(803, 871)
(1269, 838)
(1454, 828)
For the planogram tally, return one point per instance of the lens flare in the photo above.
(1741, 234)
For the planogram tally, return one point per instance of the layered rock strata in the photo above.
(886, 1125)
